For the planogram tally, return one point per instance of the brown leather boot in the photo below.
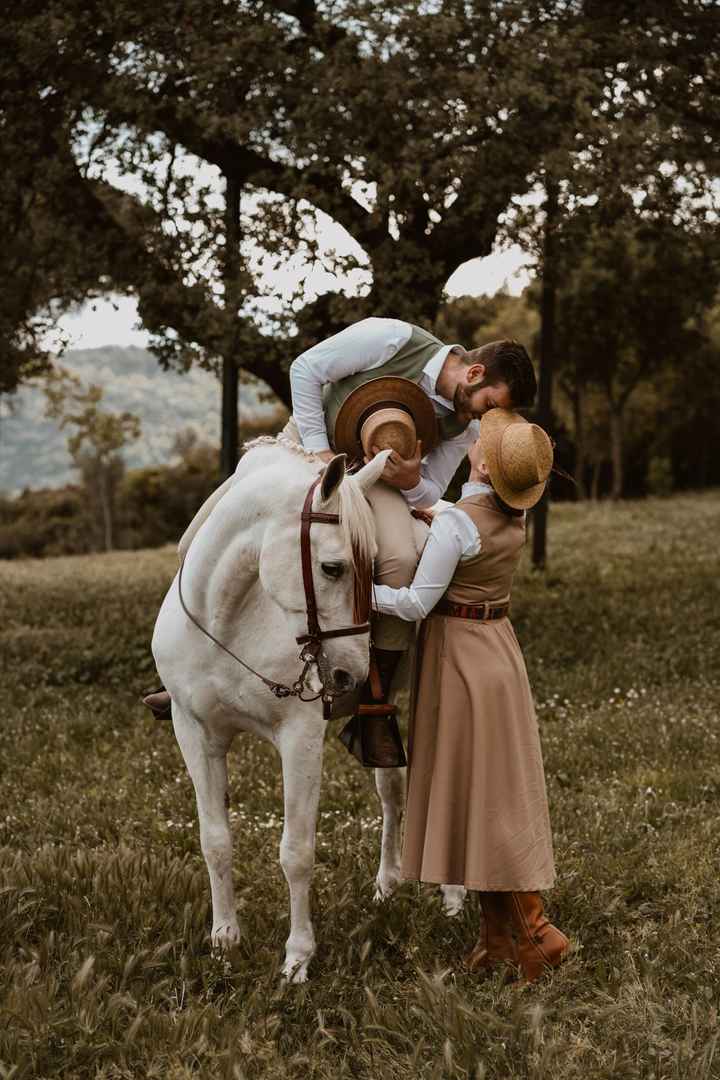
(541, 946)
(496, 946)
(372, 735)
(159, 703)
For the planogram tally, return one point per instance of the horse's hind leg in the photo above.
(390, 784)
(207, 764)
(300, 744)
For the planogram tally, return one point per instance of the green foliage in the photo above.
(98, 431)
(94, 445)
(104, 903)
(159, 503)
(623, 318)
(475, 320)
(151, 507)
(660, 476)
(39, 523)
(412, 126)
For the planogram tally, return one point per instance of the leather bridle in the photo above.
(311, 641)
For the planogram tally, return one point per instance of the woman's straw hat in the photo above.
(518, 455)
(387, 412)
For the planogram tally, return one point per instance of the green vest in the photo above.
(408, 363)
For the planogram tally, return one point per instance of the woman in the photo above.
(477, 811)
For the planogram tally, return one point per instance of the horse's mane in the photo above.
(356, 521)
(358, 527)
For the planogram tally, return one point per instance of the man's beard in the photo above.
(462, 399)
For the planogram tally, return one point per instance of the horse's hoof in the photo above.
(224, 937)
(295, 972)
(386, 886)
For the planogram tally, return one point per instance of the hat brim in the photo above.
(492, 425)
(384, 390)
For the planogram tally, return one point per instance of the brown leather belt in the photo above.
(483, 612)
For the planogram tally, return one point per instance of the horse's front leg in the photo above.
(300, 743)
(206, 762)
(390, 785)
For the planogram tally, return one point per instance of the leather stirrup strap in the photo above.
(380, 707)
(374, 677)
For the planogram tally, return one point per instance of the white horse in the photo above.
(242, 582)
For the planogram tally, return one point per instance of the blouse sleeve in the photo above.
(452, 536)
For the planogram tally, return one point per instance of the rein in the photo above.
(311, 641)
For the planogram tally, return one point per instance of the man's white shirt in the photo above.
(453, 538)
(361, 347)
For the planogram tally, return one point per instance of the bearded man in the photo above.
(460, 385)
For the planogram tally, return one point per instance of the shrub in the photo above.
(47, 522)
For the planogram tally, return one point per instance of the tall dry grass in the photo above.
(104, 907)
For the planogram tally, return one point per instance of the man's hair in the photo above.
(505, 362)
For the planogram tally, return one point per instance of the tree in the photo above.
(630, 291)
(411, 126)
(95, 444)
(475, 320)
(281, 101)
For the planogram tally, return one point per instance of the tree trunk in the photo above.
(616, 450)
(595, 487)
(547, 342)
(580, 456)
(105, 505)
(229, 437)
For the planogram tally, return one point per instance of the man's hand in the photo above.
(402, 473)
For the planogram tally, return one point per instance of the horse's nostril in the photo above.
(342, 680)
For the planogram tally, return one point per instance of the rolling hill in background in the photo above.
(33, 450)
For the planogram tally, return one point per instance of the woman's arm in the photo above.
(452, 535)
(439, 466)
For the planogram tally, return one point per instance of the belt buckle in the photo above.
(485, 611)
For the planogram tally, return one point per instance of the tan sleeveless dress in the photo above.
(477, 812)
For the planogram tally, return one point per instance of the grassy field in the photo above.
(105, 966)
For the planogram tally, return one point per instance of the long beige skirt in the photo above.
(477, 812)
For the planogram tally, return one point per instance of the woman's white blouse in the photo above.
(453, 537)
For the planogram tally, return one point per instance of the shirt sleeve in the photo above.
(439, 467)
(452, 536)
(364, 345)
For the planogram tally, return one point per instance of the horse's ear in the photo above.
(372, 471)
(333, 477)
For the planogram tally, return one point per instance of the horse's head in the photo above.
(341, 558)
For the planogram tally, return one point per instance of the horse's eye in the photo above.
(333, 569)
